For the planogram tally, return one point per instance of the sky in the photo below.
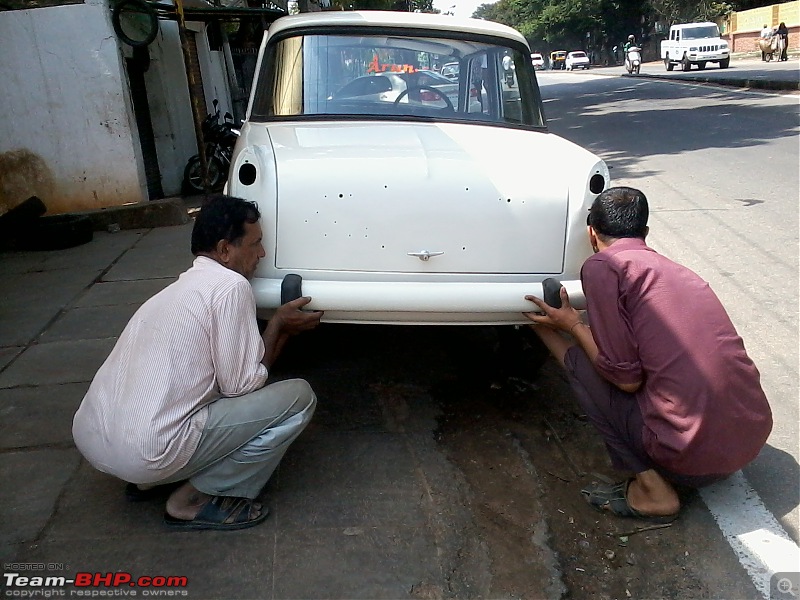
(463, 8)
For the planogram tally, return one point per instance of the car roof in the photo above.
(685, 25)
(383, 19)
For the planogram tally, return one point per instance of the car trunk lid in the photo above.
(411, 197)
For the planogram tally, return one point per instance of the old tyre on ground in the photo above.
(57, 232)
(22, 215)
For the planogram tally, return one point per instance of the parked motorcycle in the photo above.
(633, 60)
(219, 138)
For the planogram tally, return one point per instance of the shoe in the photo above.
(613, 498)
(221, 512)
(135, 494)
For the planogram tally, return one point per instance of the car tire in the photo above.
(723, 64)
(668, 64)
(701, 65)
(57, 232)
(686, 65)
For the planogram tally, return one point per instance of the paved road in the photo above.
(720, 167)
(744, 71)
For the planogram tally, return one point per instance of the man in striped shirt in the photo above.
(182, 401)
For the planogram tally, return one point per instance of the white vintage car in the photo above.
(577, 60)
(428, 206)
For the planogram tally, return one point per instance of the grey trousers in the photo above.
(246, 437)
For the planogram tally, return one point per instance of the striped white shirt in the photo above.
(191, 343)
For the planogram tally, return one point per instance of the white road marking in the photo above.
(760, 542)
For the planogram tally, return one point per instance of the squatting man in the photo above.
(180, 405)
(659, 369)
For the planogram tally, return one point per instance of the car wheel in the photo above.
(723, 64)
(685, 64)
(701, 65)
(668, 64)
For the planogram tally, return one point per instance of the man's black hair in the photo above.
(222, 218)
(619, 212)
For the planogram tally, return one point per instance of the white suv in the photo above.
(430, 206)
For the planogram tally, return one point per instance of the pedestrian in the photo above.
(659, 370)
(783, 36)
(765, 40)
(180, 405)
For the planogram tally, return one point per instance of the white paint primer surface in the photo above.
(760, 542)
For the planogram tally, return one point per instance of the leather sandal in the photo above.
(613, 498)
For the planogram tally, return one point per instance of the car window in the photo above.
(317, 75)
(697, 33)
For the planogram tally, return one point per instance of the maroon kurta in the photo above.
(658, 322)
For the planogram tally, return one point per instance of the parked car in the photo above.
(557, 59)
(537, 60)
(450, 70)
(412, 211)
(576, 60)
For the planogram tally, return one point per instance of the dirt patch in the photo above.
(523, 446)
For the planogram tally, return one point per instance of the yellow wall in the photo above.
(756, 18)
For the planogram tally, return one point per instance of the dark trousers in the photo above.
(617, 417)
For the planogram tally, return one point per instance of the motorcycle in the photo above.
(633, 60)
(219, 138)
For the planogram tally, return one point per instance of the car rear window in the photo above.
(318, 75)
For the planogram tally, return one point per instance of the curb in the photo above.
(763, 84)
(144, 215)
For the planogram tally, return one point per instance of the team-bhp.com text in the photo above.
(94, 585)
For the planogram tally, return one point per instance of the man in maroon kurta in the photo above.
(661, 372)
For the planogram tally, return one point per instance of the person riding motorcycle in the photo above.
(631, 42)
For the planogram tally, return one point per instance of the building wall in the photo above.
(742, 28)
(170, 107)
(66, 133)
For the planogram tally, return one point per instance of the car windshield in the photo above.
(697, 33)
(394, 76)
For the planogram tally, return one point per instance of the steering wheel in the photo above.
(426, 88)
